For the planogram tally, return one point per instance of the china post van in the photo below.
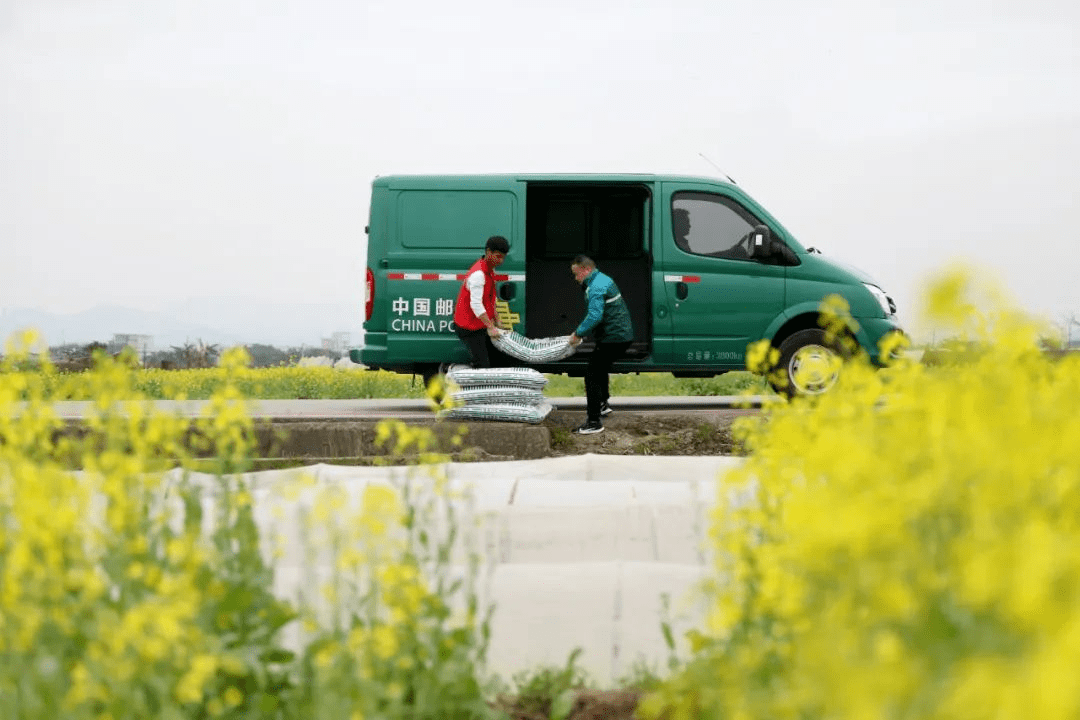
(704, 269)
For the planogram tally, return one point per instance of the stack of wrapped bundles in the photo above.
(506, 394)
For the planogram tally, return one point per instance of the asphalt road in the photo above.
(412, 409)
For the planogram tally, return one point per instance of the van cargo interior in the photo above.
(609, 223)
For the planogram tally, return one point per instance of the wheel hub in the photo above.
(813, 369)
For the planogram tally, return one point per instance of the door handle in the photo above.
(507, 291)
(681, 290)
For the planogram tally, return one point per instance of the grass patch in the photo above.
(652, 384)
(547, 691)
(560, 438)
(321, 383)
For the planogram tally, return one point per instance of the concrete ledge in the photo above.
(322, 440)
(357, 438)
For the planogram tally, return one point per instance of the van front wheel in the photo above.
(808, 365)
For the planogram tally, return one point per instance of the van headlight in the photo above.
(887, 305)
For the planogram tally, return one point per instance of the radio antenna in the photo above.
(717, 168)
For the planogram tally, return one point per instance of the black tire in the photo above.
(430, 372)
(806, 365)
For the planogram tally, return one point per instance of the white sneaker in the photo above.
(590, 427)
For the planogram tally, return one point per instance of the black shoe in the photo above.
(605, 409)
(590, 427)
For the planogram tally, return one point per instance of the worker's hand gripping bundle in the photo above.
(508, 394)
(537, 350)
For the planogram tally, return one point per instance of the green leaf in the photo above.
(669, 638)
(563, 704)
(277, 655)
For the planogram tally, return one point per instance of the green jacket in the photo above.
(606, 313)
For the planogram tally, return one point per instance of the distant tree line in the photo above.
(75, 357)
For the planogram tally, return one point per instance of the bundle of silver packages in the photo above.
(503, 394)
(533, 350)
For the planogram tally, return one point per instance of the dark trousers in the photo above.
(483, 353)
(597, 387)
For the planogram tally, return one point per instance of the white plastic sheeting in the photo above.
(579, 550)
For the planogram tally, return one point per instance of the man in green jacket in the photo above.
(608, 319)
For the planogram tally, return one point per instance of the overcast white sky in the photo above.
(153, 151)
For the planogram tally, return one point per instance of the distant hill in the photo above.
(218, 322)
(282, 323)
(102, 322)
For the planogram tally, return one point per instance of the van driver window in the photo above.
(705, 224)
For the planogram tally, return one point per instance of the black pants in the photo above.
(597, 389)
(482, 351)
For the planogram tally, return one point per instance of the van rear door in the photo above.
(718, 297)
(438, 228)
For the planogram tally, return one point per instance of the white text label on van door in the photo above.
(420, 311)
(704, 355)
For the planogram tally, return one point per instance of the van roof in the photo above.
(472, 180)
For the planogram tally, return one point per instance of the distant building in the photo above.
(141, 344)
(338, 342)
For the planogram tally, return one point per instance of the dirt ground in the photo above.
(686, 432)
(694, 432)
(589, 705)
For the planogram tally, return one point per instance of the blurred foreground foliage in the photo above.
(137, 588)
(903, 546)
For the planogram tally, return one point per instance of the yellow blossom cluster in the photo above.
(910, 549)
(412, 645)
(131, 587)
(252, 383)
(103, 597)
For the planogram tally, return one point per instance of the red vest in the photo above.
(464, 317)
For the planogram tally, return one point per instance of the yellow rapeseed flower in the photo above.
(909, 551)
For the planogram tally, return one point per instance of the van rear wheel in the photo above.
(432, 371)
(809, 364)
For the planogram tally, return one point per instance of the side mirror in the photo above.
(761, 242)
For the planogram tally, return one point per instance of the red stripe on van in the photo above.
(691, 278)
(440, 276)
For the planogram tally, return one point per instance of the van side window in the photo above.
(706, 224)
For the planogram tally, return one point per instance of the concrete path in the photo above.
(579, 550)
(381, 408)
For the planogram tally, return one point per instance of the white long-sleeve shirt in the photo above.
(475, 283)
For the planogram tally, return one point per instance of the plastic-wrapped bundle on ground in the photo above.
(533, 350)
(489, 394)
(466, 377)
(505, 412)
(504, 394)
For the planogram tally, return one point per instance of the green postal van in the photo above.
(704, 269)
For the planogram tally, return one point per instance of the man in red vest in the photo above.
(475, 320)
